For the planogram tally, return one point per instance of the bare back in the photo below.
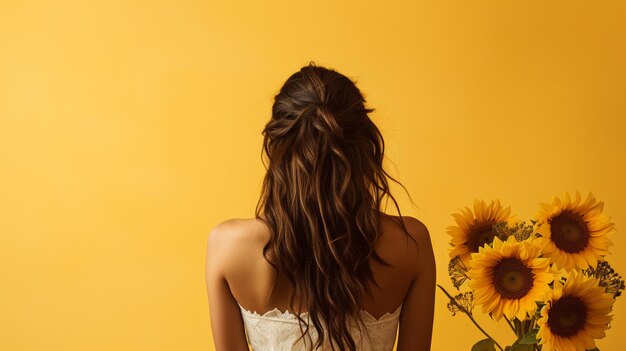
(252, 279)
(237, 272)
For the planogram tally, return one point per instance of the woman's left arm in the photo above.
(226, 321)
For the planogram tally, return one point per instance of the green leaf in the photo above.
(526, 342)
(484, 345)
(521, 347)
(530, 338)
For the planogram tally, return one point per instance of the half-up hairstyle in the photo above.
(321, 198)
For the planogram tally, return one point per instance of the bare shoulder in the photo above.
(419, 246)
(415, 228)
(232, 238)
(233, 230)
(425, 255)
(416, 318)
(225, 233)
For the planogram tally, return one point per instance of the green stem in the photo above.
(469, 315)
(518, 327)
(533, 325)
(510, 325)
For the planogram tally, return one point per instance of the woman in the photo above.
(320, 248)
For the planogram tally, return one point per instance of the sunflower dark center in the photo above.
(567, 316)
(569, 232)
(512, 279)
(480, 236)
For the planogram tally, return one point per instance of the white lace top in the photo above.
(277, 331)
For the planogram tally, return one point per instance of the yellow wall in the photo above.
(129, 128)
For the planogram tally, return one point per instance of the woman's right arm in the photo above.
(418, 308)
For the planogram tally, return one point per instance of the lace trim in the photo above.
(276, 313)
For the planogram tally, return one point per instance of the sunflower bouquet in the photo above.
(547, 278)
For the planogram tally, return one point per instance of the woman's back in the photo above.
(251, 277)
(319, 240)
(253, 280)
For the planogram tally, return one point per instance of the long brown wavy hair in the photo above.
(322, 196)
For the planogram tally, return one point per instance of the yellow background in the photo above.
(128, 129)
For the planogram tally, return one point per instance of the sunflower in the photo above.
(509, 277)
(574, 232)
(575, 315)
(474, 230)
